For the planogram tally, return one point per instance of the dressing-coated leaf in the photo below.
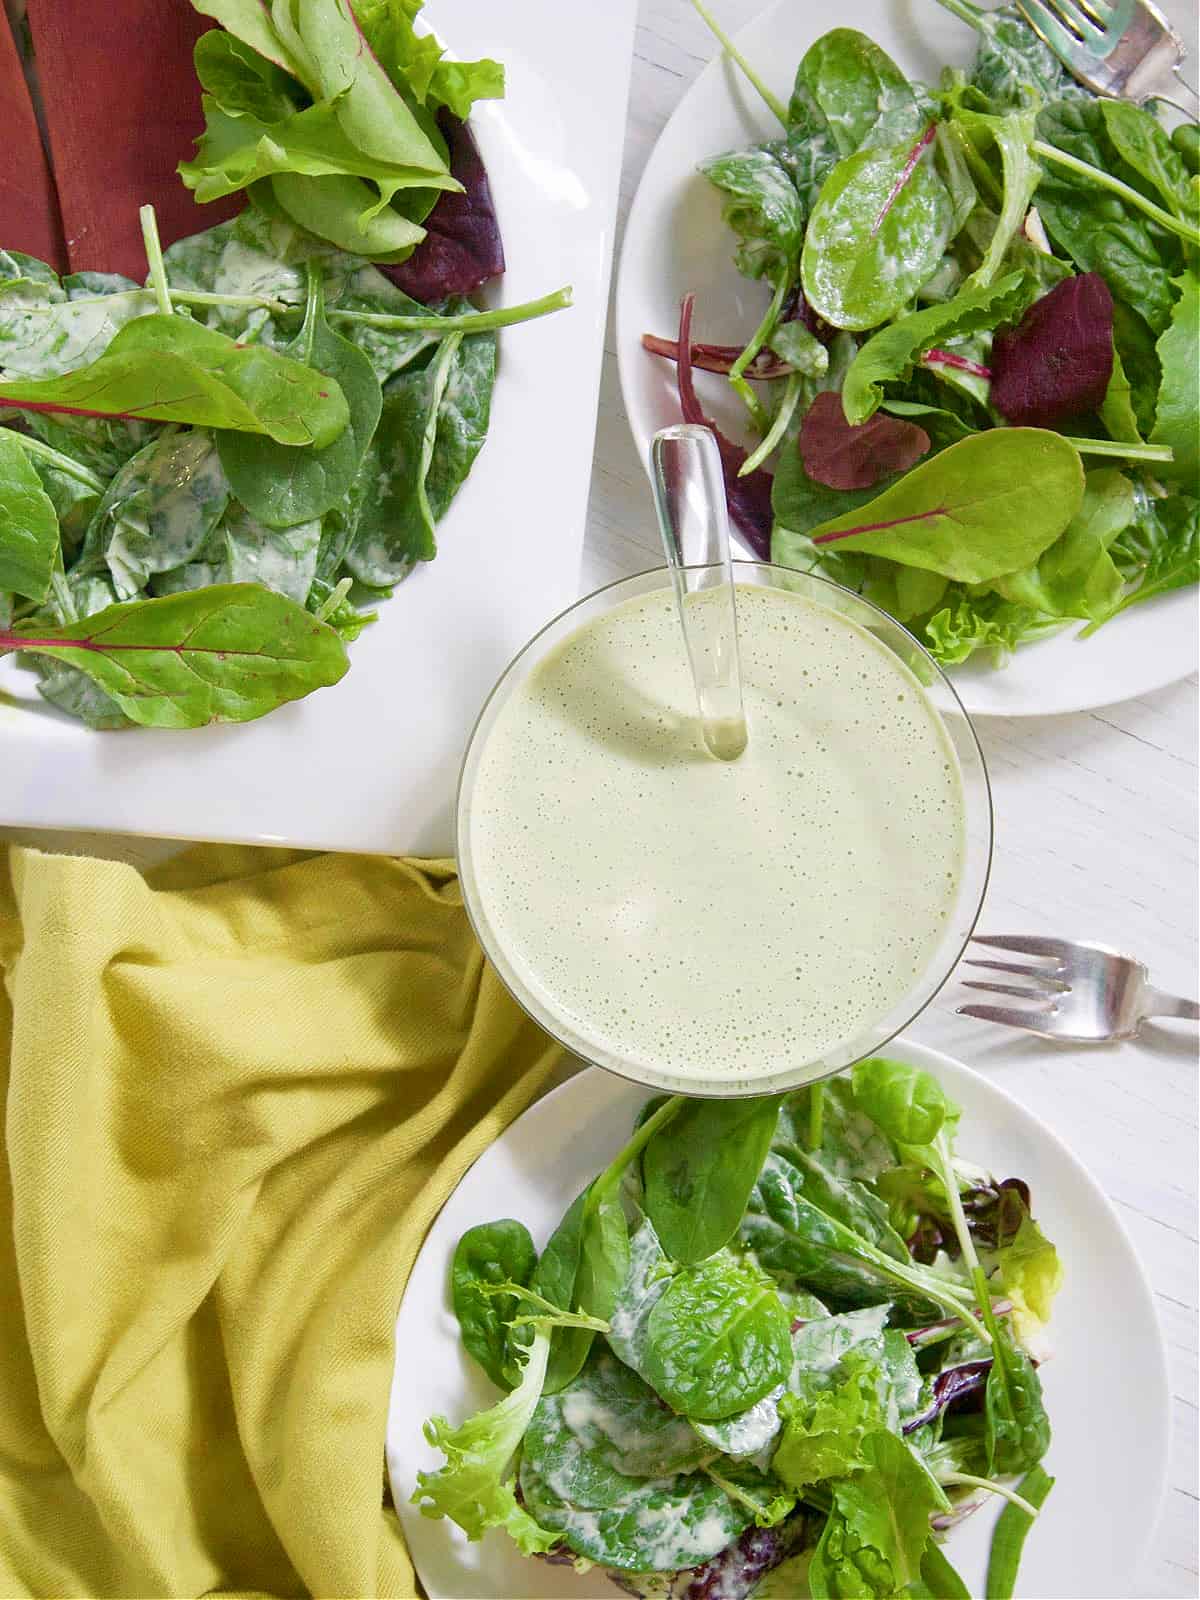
(877, 232)
(717, 1340)
(28, 524)
(285, 484)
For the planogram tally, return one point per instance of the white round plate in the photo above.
(675, 241)
(1105, 1386)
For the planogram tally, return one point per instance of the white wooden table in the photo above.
(1096, 838)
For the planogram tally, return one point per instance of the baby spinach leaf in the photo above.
(492, 1253)
(747, 1433)
(168, 369)
(763, 209)
(284, 484)
(1009, 1535)
(1011, 59)
(878, 1529)
(907, 1104)
(860, 90)
(1076, 577)
(987, 505)
(603, 1256)
(717, 1341)
(100, 445)
(432, 426)
(555, 1278)
(1177, 417)
(227, 654)
(605, 1429)
(877, 231)
(1017, 1430)
(646, 1279)
(157, 512)
(699, 1171)
(851, 1145)
(473, 1488)
(28, 524)
(1140, 142)
(45, 332)
(892, 353)
(1098, 229)
(282, 559)
(661, 1525)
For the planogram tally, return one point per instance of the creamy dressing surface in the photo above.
(707, 919)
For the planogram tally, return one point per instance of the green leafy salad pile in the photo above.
(206, 482)
(977, 370)
(778, 1347)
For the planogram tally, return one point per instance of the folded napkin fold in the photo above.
(238, 1089)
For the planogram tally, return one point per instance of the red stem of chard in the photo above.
(910, 166)
(878, 527)
(947, 358)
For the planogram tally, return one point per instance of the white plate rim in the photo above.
(981, 687)
(548, 1107)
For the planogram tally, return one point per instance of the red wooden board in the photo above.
(28, 208)
(122, 105)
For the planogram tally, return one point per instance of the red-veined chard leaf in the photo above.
(846, 455)
(1057, 361)
(749, 497)
(225, 654)
(165, 368)
(988, 505)
(462, 248)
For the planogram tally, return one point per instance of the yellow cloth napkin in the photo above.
(238, 1090)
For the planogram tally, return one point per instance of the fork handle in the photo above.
(1158, 1004)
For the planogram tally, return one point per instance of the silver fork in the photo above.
(1078, 991)
(1122, 48)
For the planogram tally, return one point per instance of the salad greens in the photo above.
(209, 481)
(985, 283)
(789, 1358)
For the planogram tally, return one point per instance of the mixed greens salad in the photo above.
(778, 1347)
(207, 482)
(977, 370)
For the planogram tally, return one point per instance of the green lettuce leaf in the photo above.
(473, 1488)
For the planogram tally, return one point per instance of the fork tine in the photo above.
(1008, 1017)
(1046, 24)
(1075, 23)
(1043, 975)
(1040, 1002)
(1099, 11)
(1025, 944)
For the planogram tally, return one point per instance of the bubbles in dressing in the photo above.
(707, 919)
